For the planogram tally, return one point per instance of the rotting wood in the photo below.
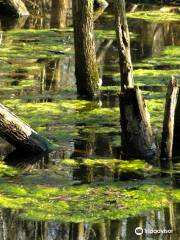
(15, 7)
(168, 123)
(137, 137)
(20, 135)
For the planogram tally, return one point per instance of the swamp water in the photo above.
(82, 190)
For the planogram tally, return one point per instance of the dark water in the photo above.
(14, 228)
(56, 75)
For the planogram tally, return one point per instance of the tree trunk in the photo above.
(86, 70)
(123, 42)
(136, 133)
(176, 138)
(168, 124)
(20, 135)
(15, 7)
(59, 13)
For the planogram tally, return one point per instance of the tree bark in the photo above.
(136, 133)
(86, 70)
(15, 7)
(168, 124)
(20, 135)
(176, 138)
(123, 42)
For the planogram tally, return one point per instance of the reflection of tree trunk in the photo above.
(77, 231)
(85, 55)
(135, 125)
(59, 13)
(52, 74)
(172, 214)
(101, 54)
(115, 230)
(100, 231)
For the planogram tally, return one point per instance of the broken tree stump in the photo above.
(20, 135)
(137, 139)
(176, 138)
(15, 7)
(168, 123)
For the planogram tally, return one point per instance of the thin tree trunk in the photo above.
(123, 42)
(86, 70)
(20, 135)
(136, 133)
(16, 7)
(168, 124)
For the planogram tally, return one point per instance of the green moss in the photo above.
(84, 203)
(30, 44)
(7, 171)
(155, 16)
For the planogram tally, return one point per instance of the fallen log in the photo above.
(15, 7)
(20, 135)
(136, 136)
(168, 123)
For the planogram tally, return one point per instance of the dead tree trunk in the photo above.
(136, 129)
(15, 7)
(168, 124)
(176, 138)
(123, 42)
(136, 133)
(86, 70)
(99, 7)
(20, 135)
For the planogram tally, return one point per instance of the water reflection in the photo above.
(14, 228)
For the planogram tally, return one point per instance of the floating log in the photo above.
(20, 135)
(15, 7)
(169, 115)
(137, 139)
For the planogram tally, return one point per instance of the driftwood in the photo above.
(169, 115)
(137, 139)
(15, 7)
(20, 135)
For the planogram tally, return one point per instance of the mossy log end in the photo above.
(13, 7)
(20, 135)
(137, 139)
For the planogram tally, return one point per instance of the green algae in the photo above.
(7, 171)
(155, 16)
(84, 203)
(30, 44)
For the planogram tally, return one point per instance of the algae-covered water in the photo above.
(85, 189)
